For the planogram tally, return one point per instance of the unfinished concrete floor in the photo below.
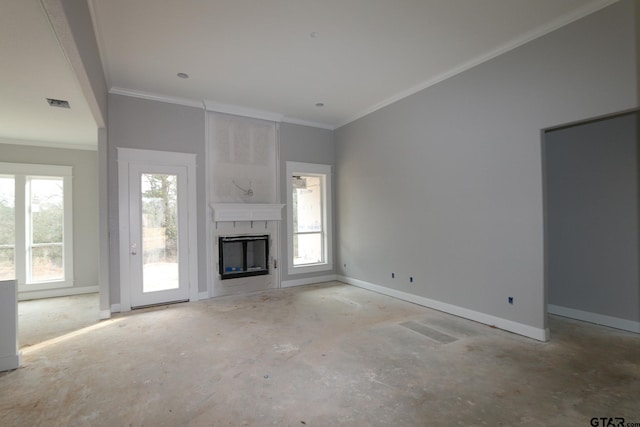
(322, 355)
(44, 319)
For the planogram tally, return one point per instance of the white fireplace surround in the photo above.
(232, 212)
(237, 219)
(242, 176)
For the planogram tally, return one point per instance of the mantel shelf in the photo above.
(232, 212)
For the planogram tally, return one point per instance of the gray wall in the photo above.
(309, 145)
(152, 125)
(592, 217)
(637, 26)
(446, 185)
(85, 201)
(79, 20)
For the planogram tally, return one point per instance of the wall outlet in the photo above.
(510, 300)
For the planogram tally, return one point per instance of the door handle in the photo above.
(134, 253)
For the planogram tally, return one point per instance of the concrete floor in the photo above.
(44, 319)
(322, 355)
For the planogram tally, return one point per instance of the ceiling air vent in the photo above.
(58, 103)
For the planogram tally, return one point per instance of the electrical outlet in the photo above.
(510, 300)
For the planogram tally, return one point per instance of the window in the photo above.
(7, 228)
(309, 217)
(35, 225)
(45, 224)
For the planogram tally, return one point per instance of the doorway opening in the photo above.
(47, 213)
(592, 209)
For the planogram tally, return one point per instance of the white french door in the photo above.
(157, 233)
(158, 214)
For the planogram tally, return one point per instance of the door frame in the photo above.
(128, 157)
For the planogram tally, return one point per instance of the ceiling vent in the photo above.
(58, 103)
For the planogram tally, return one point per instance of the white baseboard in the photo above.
(203, 295)
(8, 363)
(61, 292)
(115, 308)
(599, 319)
(308, 281)
(105, 314)
(508, 325)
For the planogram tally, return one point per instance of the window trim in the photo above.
(298, 168)
(21, 173)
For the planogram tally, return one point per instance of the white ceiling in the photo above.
(32, 68)
(280, 56)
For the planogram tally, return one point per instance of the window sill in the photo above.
(40, 286)
(313, 268)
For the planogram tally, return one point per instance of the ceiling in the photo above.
(279, 56)
(33, 67)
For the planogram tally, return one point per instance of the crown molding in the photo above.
(563, 20)
(294, 121)
(238, 110)
(156, 97)
(218, 107)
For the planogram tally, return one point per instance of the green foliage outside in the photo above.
(47, 216)
(160, 196)
(7, 224)
(7, 229)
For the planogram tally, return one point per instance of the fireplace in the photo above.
(243, 256)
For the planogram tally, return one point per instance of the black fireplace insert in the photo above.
(243, 256)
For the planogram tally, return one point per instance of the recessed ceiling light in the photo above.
(183, 75)
(319, 104)
(61, 103)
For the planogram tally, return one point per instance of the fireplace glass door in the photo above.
(243, 256)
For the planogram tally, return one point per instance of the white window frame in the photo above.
(22, 173)
(295, 169)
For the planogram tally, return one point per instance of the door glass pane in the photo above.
(47, 222)
(307, 248)
(159, 205)
(307, 203)
(7, 228)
